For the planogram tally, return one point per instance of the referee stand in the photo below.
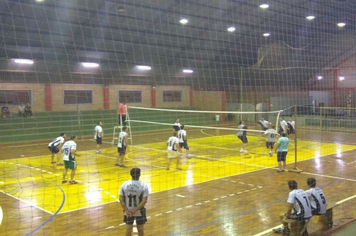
(120, 126)
(295, 169)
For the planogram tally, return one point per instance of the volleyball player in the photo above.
(291, 126)
(173, 150)
(283, 126)
(176, 125)
(69, 151)
(271, 139)
(297, 200)
(55, 146)
(121, 147)
(282, 148)
(264, 124)
(316, 197)
(98, 136)
(133, 197)
(241, 134)
(182, 137)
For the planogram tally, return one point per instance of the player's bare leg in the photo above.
(169, 163)
(129, 230)
(52, 162)
(98, 148)
(58, 160)
(140, 230)
(72, 176)
(64, 175)
(284, 165)
(178, 162)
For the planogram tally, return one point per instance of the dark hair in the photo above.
(240, 122)
(311, 182)
(292, 184)
(73, 137)
(182, 127)
(135, 172)
(62, 134)
(284, 135)
(98, 123)
(124, 128)
(272, 126)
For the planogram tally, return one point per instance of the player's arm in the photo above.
(125, 140)
(123, 205)
(140, 206)
(185, 137)
(289, 209)
(74, 152)
(275, 150)
(177, 147)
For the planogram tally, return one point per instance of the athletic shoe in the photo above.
(282, 170)
(98, 152)
(279, 230)
(178, 168)
(278, 171)
(188, 157)
(244, 151)
(117, 164)
(64, 181)
(53, 162)
(270, 154)
(60, 164)
(123, 166)
(241, 150)
(73, 182)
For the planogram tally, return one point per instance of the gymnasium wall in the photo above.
(185, 96)
(208, 100)
(146, 95)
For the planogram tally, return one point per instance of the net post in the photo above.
(295, 169)
(321, 118)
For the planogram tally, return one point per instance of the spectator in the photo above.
(21, 110)
(121, 112)
(5, 111)
(28, 110)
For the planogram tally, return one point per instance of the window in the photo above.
(73, 97)
(130, 96)
(172, 96)
(15, 97)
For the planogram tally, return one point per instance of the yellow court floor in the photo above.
(36, 181)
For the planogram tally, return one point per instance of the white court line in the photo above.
(345, 200)
(207, 133)
(328, 176)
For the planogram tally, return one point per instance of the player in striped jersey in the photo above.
(283, 126)
(176, 125)
(98, 136)
(173, 150)
(121, 147)
(55, 146)
(264, 124)
(133, 197)
(182, 137)
(241, 134)
(271, 139)
(69, 151)
(299, 201)
(316, 197)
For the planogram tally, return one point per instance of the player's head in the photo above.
(177, 120)
(73, 137)
(182, 127)
(311, 182)
(124, 128)
(175, 133)
(241, 123)
(284, 135)
(99, 123)
(262, 118)
(272, 126)
(62, 134)
(123, 102)
(292, 184)
(135, 173)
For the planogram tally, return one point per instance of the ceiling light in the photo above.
(90, 64)
(144, 67)
(264, 6)
(266, 34)
(320, 77)
(120, 9)
(341, 24)
(188, 71)
(341, 78)
(310, 17)
(231, 29)
(23, 61)
(39, 0)
(183, 21)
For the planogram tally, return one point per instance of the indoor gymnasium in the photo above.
(178, 117)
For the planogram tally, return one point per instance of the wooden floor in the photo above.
(219, 192)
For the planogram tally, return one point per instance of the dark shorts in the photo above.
(184, 145)
(70, 165)
(281, 156)
(121, 151)
(53, 149)
(243, 138)
(269, 144)
(99, 140)
(140, 220)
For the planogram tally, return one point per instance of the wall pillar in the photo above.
(191, 96)
(223, 106)
(153, 97)
(48, 91)
(106, 98)
(335, 88)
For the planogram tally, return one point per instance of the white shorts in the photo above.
(172, 154)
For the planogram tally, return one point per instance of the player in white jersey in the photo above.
(173, 150)
(316, 197)
(183, 143)
(283, 126)
(55, 145)
(133, 197)
(264, 124)
(121, 147)
(241, 134)
(299, 201)
(291, 126)
(271, 139)
(69, 150)
(98, 136)
(177, 125)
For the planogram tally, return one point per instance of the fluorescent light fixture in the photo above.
(231, 29)
(183, 21)
(144, 67)
(24, 61)
(310, 17)
(341, 24)
(320, 77)
(266, 34)
(341, 78)
(39, 0)
(264, 6)
(90, 64)
(188, 71)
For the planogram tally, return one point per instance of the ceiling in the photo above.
(119, 34)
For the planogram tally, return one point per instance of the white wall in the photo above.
(321, 97)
